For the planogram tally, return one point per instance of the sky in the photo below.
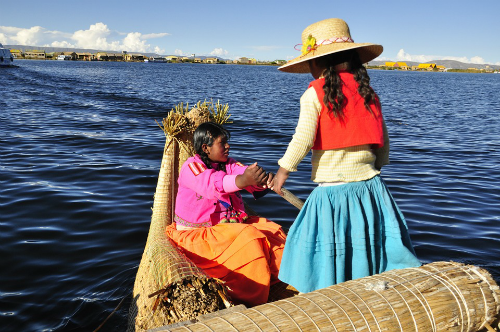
(268, 30)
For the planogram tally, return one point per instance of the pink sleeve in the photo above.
(236, 168)
(208, 183)
(229, 183)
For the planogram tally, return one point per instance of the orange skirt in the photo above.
(246, 256)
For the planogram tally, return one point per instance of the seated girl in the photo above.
(211, 226)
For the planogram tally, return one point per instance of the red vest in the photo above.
(357, 127)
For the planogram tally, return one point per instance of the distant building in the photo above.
(40, 55)
(211, 60)
(85, 56)
(172, 58)
(398, 65)
(243, 60)
(16, 53)
(103, 56)
(115, 56)
(197, 60)
(426, 66)
(133, 57)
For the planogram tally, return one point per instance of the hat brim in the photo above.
(366, 51)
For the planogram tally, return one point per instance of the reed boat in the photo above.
(172, 294)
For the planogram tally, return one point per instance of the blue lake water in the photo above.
(80, 154)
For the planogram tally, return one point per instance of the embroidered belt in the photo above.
(178, 220)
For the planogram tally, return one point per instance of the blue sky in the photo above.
(266, 30)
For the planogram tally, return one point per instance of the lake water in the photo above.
(80, 155)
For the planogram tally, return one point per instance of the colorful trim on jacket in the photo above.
(197, 168)
(179, 221)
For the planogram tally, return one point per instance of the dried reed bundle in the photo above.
(441, 296)
(179, 289)
(219, 113)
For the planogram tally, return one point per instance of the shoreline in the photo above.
(448, 70)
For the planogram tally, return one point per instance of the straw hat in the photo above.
(326, 37)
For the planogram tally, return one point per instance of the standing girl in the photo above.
(211, 226)
(350, 226)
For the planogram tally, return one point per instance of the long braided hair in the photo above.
(207, 133)
(334, 97)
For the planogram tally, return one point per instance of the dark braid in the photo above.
(361, 76)
(207, 133)
(334, 97)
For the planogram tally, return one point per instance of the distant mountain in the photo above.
(451, 64)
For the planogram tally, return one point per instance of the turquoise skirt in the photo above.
(346, 232)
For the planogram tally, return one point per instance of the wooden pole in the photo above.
(292, 199)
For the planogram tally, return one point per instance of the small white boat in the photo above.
(6, 58)
(63, 57)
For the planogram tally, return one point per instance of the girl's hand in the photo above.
(279, 180)
(270, 181)
(254, 175)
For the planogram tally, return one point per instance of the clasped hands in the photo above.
(255, 175)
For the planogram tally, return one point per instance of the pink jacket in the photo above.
(207, 196)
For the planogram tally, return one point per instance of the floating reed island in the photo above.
(173, 294)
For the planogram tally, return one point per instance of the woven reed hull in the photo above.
(162, 264)
(441, 296)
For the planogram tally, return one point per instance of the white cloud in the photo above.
(178, 52)
(134, 42)
(159, 50)
(35, 36)
(3, 38)
(219, 52)
(477, 60)
(31, 36)
(9, 30)
(97, 36)
(403, 56)
(63, 44)
(155, 35)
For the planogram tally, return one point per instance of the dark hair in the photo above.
(334, 98)
(207, 133)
